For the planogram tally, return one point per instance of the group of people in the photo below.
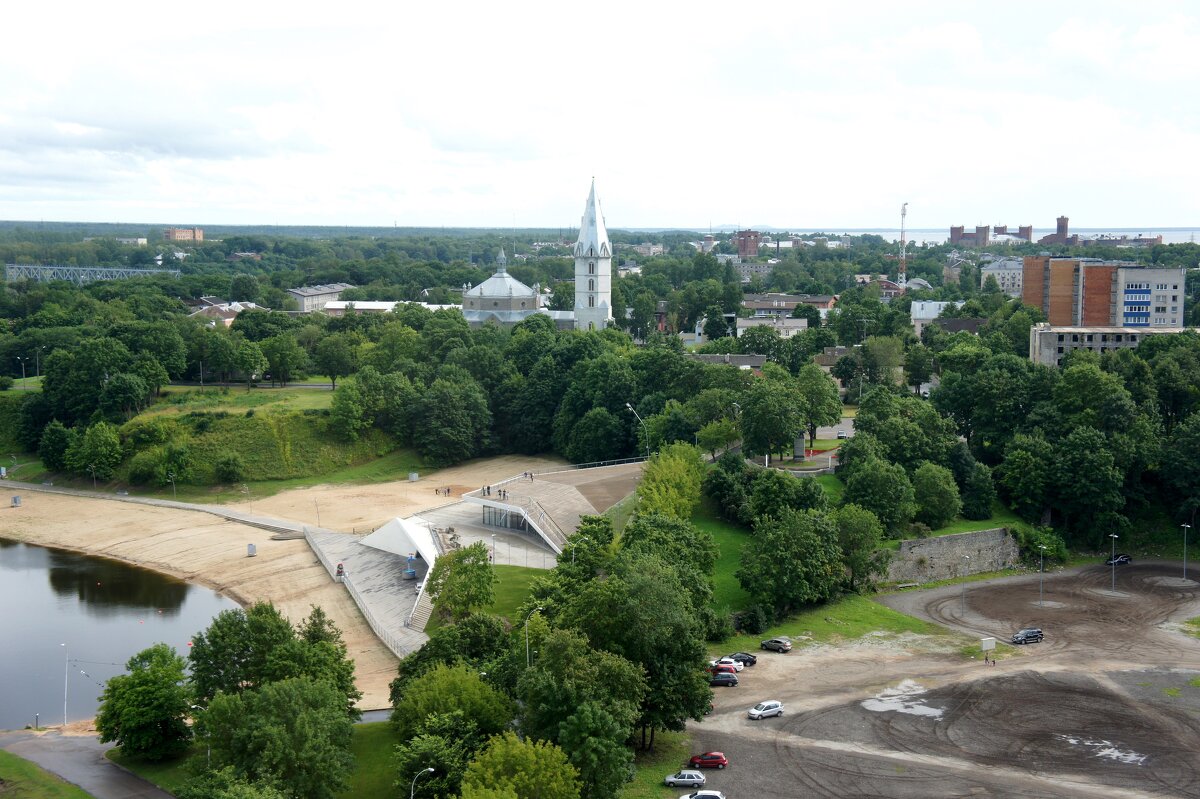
(445, 492)
(500, 492)
(527, 476)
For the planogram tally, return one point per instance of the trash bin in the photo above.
(251, 550)
(16, 501)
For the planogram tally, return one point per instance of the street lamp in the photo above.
(92, 469)
(318, 507)
(493, 547)
(171, 477)
(1041, 573)
(1185, 529)
(527, 618)
(37, 360)
(208, 742)
(24, 385)
(963, 610)
(412, 789)
(66, 671)
(645, 432)
(1113, 536)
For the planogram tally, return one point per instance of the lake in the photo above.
(103, 610)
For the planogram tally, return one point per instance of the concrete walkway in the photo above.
(79, 759)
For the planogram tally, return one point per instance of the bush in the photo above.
(143, 468)
(6, 382)
(140, 434)
(753, 620)
(718, 625)
(918, 530)
(229, 467)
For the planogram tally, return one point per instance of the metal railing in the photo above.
(389, 640)
(321, 556)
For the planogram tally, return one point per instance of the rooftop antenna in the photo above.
(903, 272)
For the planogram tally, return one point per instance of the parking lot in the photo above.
(1107, 706)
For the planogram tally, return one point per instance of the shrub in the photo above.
(753, 620)
(6, 382)
(144, 466)
(919, 530)
(229, 467)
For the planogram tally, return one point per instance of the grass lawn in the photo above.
(512, 587)
(236, 399)
(1193, 626)
(169, 775)
(834, 487)
(843, 619)
(374, 773)
(671, 751)
(20, 779)
(825, 444)
(727, 591)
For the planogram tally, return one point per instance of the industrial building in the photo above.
(1048, 345)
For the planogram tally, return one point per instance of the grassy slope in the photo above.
(175, 401)
(169, 775)
(20, 779)
(727, 591)
(671, 750)
(374, 773)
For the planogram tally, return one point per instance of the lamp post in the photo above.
(208, 743)
(37, 360)
(645, 432)
(66, 672)
(171, 477)
(24, 385)
(1113, 536)
(527, 618)
(963, 609)
(92, 469)
(1041, 573)
(493, 547)
(412, 789)
(1185, 529)
(318, 507)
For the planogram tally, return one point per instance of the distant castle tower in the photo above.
(593, 269)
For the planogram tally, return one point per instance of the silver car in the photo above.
(688, 777)
(771, 707)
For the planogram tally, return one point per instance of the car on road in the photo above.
(703, 795)
(763, 710)
(1119, 560)
(1029, 635)
(780, 644)
(709, 760)
(723, 679)
(842, 434)
(736, 665)
(688, 778)
(744, 658)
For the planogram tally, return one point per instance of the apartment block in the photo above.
(183, 234)
(1090, 292)
(1049, 344)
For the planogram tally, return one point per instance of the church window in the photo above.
(591, 285)
(522, 303)
(591, 302)
(495, 303)
(592, 268)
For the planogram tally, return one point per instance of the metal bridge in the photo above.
(78, 275)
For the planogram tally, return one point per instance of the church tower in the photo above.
(593, 269)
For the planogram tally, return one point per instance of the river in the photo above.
(77, 619)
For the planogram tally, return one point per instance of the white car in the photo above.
(688, 777)
(771, 707)
(736, 664)
(703, 795)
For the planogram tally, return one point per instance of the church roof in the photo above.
(501, 284)
(593, 236)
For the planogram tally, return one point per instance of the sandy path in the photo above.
(205, 549)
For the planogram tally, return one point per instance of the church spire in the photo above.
(501, 262)
(593, 236)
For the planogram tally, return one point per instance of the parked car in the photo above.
(723, 679)
(778, 644)
(842, 434)
(736, 664)
(1119, 560)
(722, 668)
(744, 658)
(688, 778)
(703, 795)
(771, 707)
(709, 760)
(1030, 635)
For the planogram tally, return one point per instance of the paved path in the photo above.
(79, 759)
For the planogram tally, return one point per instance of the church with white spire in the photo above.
(593, 269)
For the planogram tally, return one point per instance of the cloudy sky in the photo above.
(793, 114)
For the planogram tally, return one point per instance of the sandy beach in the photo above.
(204, 549)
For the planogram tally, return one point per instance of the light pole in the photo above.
(207, 740)
(645, 432)
(527, 618)
(24, 385)
(37, 360)
(66, 672)
(318, 507)
(963, 609)
(1113, 536)
(1185, 529)
(92, 469)
(493, 547)
(412, 789)
(171, 477)
(1041, 573)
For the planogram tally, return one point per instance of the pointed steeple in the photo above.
(501, 262)
(593, 236)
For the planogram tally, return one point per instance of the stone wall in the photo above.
(923, 560)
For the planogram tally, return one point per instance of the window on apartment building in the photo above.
(1060, 349)
(1160, 309)
(1174, 309)
(1075, 338)
(1089, 337)
(1060, 336)
(1117, 337)
(1174, 298)
(1104, 337)
(1132, 337)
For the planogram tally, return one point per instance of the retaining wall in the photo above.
(923, 560)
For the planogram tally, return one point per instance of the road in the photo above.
(79, 759)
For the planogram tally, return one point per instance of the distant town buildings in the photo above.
(776, 305)
(786, 326)
(1090, 292)
(315, 298)
(747, 243)
(648, 250)
(183, 234)
(983, 236)
(1048, 344)
(1008, 272)
(924, 312)
(223, 313)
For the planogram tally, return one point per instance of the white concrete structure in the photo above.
(1150, 296)
(593, 269)
(314, 298)
(923, 312)
(786, 326)
(404, 537)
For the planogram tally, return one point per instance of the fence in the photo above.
(389, 640)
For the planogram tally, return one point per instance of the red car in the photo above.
(722, 669)
(709, 760)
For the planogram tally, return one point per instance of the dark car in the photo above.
(1119, 560)
(1030, 635)
(709, 760)
(777, 644)
(744, 657)
(723, 679)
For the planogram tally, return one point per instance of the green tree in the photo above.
(671, 481)
(1087, 484)
(445, 742)
(819, 402)
(124, 396)
(918, 366)
(859, 536)
(531, 769)
(337, 356)
(97, 451)
(936, 495)
(884, 489)
(760, 340)
(52, 449)
(978, 493)
(294, 733)
(792, 560)
(772, 492)
(250, 361)
(599, 436)
(446, 689)
(770, 417)
(284, 357)
(594, 742)
(144, 711)
(244, 288)
(452, 422)
(462, 582)
(347, 412)
(715, 326)
(226, 784)
(717, 435)
(1025, 475)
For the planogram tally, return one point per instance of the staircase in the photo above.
(421, 613)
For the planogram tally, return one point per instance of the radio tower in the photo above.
(902, 275)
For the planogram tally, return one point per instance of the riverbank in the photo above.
(203, 549)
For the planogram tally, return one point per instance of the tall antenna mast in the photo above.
(903, 271)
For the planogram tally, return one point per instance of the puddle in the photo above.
(1105, 749)
(904, 698)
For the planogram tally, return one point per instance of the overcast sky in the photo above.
(794, 114)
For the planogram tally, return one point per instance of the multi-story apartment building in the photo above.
(1009, 273)
(1090, 292)
(183, 234)
(1049, 345)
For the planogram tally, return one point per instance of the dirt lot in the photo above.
(1105, 707)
